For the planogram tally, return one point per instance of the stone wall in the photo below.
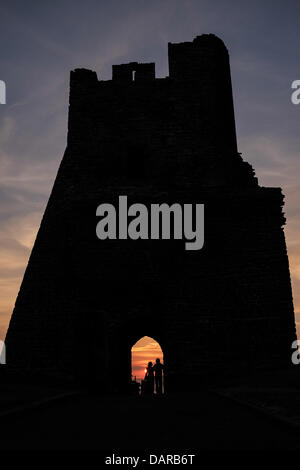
(83, 303)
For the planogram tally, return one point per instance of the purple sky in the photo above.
(42, 41)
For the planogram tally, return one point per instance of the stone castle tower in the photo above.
(83, 303)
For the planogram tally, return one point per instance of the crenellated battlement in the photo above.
(185, 121)
(170, 142)
(133, 72)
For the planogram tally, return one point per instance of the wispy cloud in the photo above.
(42, 41)
(144, 351)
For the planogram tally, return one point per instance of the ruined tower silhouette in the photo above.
(83, 302)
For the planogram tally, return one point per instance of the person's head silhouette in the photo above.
(150, 364)
(157, 361)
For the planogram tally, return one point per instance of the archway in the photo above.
(145, 350)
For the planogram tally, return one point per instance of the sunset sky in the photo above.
(144, 351)
(42, 41)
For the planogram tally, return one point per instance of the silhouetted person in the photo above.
(158, 369)
(149, 378)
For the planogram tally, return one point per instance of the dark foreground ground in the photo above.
(194, 422)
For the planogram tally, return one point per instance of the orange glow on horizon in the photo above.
(142, 352)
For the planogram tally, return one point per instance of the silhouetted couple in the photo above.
(154, 374)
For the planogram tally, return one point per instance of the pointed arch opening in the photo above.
(147, 350)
